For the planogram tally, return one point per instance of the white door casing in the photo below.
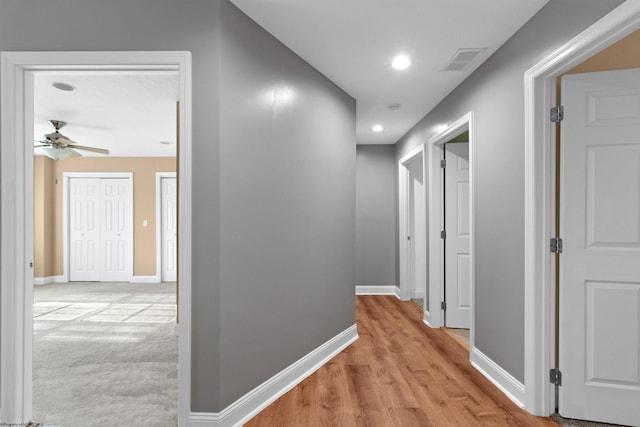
(168, 224)
(16, 286)
(457, 244)
(600, 263)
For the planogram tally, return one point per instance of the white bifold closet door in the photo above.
(100, 229)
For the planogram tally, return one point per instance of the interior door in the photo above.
(600, 263)
(457, 226)
(116, 230)
(84, 230)
(169, 227)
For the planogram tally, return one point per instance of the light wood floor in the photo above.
(399, 373)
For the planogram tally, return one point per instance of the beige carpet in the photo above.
(105, 354)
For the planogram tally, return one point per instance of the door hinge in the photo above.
(555, 376)
(408, 237)
(443, 305)
(557, 114)
(31, 264)
(443, 163)
(555, 245)
(443, 234)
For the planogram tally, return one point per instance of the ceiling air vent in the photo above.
(462, 58)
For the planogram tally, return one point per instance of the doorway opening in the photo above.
(451, 229)
(413, 227)
(540, 196)
(18, 208)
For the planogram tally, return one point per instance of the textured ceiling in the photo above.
(126, 113)
(352, 42)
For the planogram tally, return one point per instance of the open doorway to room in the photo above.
(23, 179)
(104, 312)
(603, 148)
(451, 230)
(413, 228)
(457, 250)
(594, 211)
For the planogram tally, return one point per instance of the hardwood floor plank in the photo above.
(400, 372)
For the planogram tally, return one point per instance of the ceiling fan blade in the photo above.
(64, 140)
(93, 149)
(42, 145)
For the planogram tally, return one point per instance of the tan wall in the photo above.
(619, 56)
(43, 215)
(144, 190)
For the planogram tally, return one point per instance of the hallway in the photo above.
(399, 373)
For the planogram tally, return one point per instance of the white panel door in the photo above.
(84, 229)
(169, 229)
(600, 263)
(116, 230)
(457, 225)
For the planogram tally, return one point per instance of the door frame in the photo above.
(66, 216)
(436, 220)
(159, 176)
(539, 203)
(16, 209)
(403, 193)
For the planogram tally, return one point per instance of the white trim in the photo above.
(66, 176)
(436, 220)
(16, 250)
(145, 279)
(249, 405)
(159, 176)
(508, 384)
(48, 279)
(378, 290)
(403, 200)
(539, 174)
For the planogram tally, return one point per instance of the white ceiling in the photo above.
(126, 113)
(352, 42)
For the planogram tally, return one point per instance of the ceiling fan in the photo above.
(57, 146)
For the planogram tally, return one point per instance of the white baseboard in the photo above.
(510, 386)
(145, 279)
(47, 280)
(417, 294)
(245, 408)
(378, 290)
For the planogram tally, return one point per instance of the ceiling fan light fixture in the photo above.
(56, 153)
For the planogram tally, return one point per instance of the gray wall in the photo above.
(376, 232)
(495, 93)
(287, 281)
(287, 207)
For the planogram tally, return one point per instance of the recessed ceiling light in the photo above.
(394, 107)
(377, 128)
(401, 62)
(166, 142)
(63, 86)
